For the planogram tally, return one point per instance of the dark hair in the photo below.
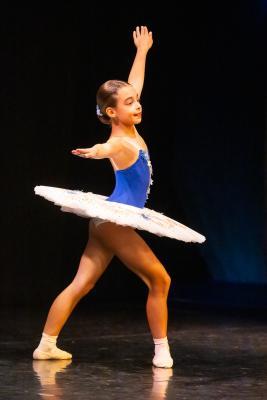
(106, 96)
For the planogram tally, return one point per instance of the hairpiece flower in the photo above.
(98, 111)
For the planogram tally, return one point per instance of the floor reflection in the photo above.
(46, 372)
(161, 377)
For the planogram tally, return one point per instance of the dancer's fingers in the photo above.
(83, 151)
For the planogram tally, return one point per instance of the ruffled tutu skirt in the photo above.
(89, 205)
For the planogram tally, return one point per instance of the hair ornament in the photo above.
(98, 111)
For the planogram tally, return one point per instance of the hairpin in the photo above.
(98, 111)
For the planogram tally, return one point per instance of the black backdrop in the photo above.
(203, 121)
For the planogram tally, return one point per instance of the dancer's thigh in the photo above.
(94, 261)
(132, 250)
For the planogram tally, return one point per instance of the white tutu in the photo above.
(88, 204)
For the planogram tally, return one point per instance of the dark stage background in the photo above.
(204, 122)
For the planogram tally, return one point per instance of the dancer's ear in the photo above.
(111, 113)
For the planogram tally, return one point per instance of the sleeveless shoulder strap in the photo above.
(132, 142)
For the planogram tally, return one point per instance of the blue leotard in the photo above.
(132, 183)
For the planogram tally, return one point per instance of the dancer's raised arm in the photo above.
(143, 41)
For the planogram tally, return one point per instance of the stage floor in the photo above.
(217, 355)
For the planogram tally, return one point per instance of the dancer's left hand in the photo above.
(142, 38)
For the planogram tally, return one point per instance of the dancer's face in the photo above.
(128, 110)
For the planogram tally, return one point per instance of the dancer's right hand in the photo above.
(91, 152)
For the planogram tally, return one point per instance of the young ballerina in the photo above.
(118, 104)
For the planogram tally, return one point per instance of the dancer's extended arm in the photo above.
(143, 41)
(100, 150)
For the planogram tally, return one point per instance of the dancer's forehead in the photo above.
(127, 92)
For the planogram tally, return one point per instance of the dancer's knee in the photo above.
(160, 284)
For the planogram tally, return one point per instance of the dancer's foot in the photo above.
(162, 358)
(48, 350)
(53, 353)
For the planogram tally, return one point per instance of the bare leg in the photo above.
(93, 263)
(133, 251)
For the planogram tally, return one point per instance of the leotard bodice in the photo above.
(133, 183)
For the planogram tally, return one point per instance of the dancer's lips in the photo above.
(138, 115)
